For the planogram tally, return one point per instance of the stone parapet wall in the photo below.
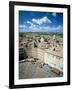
(54, 61)
(45, 57)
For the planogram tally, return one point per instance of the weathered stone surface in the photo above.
(35, 70)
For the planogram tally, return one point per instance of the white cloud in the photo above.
(37, 21)
(28, 22)
(59, 27)
(22, 26)
(41, 20)
(54, 14)
(32, 25)
(36, 25)
(37, 28)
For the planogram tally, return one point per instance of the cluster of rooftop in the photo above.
(48, 49)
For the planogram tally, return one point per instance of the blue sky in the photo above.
(33, 21)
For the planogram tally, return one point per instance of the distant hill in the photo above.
(41, 33)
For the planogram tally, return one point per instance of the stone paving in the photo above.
(35, 70)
